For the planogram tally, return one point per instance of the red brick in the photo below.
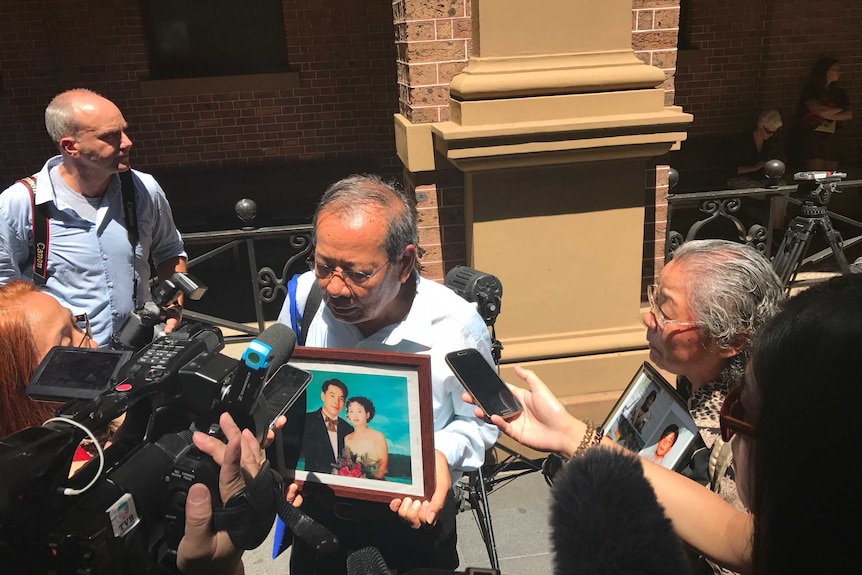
(644, 20)
(437, 51)
(667, 18)
(424, 115)
(424, 9)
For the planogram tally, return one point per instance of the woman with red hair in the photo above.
(31, 323)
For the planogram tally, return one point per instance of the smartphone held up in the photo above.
(483, 383)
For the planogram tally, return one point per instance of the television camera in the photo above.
(123, 512)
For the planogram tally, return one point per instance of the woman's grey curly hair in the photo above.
(733, 291)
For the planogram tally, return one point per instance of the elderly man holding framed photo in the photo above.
(365, 265)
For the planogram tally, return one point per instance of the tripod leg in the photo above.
(478, 496)
(792, 249)
(782, 262)
(836, 242)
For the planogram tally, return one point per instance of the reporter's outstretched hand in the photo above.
(544, 424)
(201, 551)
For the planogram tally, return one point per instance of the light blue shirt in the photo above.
(91, 268)
(439, 321)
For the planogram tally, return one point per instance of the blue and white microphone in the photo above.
(272, 348)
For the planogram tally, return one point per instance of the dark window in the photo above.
(199, 38)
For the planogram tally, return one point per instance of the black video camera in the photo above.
(123, 512)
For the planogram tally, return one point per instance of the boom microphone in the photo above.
(605, 520)
(271, 349)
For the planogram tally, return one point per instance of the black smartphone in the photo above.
(283, 389)
(480, 379)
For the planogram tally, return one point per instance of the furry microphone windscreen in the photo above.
(605, 519)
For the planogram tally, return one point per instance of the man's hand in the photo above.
(164, 271)
(416, 512)
(544, 424)
(270, 433)
(294, 495)
(201, 550)
(173, 316)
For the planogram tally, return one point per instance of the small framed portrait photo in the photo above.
(652, 420)
(364, 426)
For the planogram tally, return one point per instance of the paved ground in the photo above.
(519, 510)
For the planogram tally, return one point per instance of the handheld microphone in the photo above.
(367, 561)
(271, 349)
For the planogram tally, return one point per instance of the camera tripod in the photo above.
(812, 219)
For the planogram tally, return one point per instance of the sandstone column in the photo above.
(552, 123)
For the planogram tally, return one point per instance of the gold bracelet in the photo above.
(600, 432)
(588, 437)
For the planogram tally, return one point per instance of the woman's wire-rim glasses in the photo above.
(350, 277)
(660, 320)
(83, 322)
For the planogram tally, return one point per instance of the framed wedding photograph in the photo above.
(364, 426)
(652, 420)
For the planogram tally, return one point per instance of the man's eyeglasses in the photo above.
(660, 320)
(350, 277)
(768, 131)
(83, 323)
(731, 417)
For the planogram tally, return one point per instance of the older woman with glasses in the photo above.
(710, 300)
(798, 480)
(31, 323)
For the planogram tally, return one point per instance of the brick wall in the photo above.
(655, 29)
(655, 223)
(440, 204)
(342, 108)
(655, 24)
(433, 44)
(749, 55)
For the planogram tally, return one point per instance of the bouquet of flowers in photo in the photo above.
(355, 465)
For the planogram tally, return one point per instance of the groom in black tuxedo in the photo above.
(323, 438)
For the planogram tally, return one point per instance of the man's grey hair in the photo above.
(60, 114)
(359, 192)
(733, 291)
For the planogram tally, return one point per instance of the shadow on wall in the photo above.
(203, 197)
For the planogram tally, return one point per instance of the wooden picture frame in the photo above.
(399, 387)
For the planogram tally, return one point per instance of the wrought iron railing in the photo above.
(728, 206)
(266, 284)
